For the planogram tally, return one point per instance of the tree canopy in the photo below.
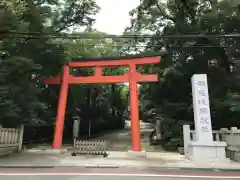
(195, 45)
(199, 36)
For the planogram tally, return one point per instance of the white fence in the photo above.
(230, 136)
(11, 138)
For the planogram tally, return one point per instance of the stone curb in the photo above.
(48, 151)
(212, 169)
(186, 168)
(101, 166)
(123, 166)
(55, 166)
(25, 167)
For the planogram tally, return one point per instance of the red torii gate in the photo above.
(132, 76)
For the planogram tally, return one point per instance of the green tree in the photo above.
(171, 98)
(103, 105)
(25, 60)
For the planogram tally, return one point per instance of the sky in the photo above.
(114, 17)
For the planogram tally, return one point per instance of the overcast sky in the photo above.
(114, 15)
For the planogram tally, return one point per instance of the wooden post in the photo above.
(1, 135)
(20, 140)
(186, 137)
(158, 128)
(89, 128)
(76, 124)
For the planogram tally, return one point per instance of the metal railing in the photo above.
(89, 147)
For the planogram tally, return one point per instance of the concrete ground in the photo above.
(44, 157)
(114, 160)
(66, 173)
(119, 144)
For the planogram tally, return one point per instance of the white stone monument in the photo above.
(203, 148)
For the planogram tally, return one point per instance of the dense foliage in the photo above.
(28, 55)
(218, 57)
(25, 60)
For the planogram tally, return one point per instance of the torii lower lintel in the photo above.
(132, 76)
(103, 79)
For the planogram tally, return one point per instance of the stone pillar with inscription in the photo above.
(203, 148)
(202, 117)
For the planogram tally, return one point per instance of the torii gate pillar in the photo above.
(134, 109)
(58, 134)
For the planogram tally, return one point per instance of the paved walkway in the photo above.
(114, 160)
(121, 140)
